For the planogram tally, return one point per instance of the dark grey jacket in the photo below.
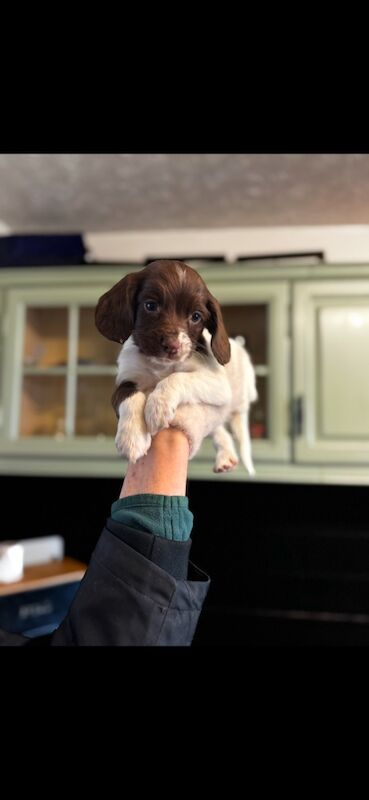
(127, 598)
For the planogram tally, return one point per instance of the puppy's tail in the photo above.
(240, 429)
(249, 371)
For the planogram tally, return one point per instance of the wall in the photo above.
(337, 243)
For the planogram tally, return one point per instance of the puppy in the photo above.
(176, 354)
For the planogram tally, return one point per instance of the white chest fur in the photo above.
(147, 371)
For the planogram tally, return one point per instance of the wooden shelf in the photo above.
(95, 369)
(45, 370)
(82, 369)
(40, 576)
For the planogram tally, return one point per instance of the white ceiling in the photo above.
(75, 193)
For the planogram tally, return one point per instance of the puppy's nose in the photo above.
(171, 346)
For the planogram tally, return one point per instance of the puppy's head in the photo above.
(165, 307)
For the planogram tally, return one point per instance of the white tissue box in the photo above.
(42, 549)
(11, 562)
(14, 556)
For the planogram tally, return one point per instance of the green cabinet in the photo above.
(58, 372)
(306, 329)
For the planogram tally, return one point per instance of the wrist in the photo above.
(164, 468)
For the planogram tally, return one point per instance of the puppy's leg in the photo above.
(226, 457)
(124, 390)
(132, 439)
(198, 421)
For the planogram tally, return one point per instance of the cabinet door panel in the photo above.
(93, 348)
(331, 345)
(42, 410)
(343, 379)
(95, 415)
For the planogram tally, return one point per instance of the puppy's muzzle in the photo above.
(171, 346)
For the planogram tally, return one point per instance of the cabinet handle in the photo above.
(297, 416)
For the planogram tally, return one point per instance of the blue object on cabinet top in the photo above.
(41, 251)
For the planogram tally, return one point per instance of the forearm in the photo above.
(163, 470)
(145, 596)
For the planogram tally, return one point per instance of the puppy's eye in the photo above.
(150, 305)
(196, 316)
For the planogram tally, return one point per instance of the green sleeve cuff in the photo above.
(163, 515)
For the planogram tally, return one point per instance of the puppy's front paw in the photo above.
(159, 412)
(132, 441)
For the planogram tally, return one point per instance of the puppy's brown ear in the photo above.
(219, 342)
(115, 311)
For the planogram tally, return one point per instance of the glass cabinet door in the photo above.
(59, 373)
(44, 372)
(96, 371)
(68, 375)
(250, 323)
(259, 313)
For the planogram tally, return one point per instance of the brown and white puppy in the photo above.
(176, 354)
